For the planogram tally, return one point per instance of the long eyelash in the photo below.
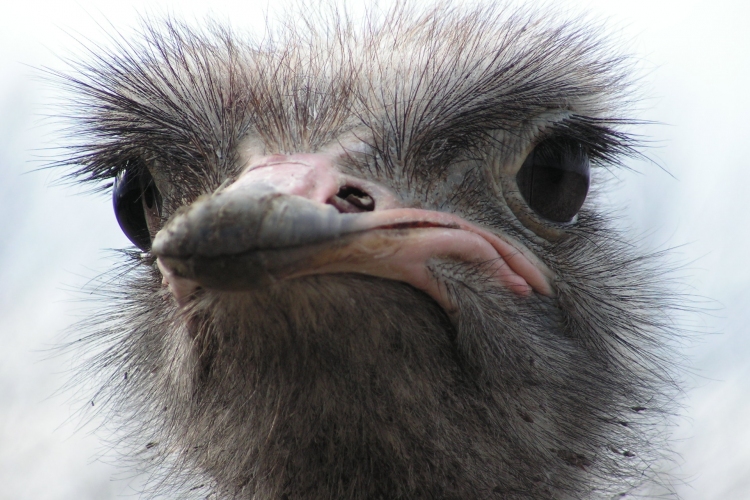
(605, 143)
(175, 96)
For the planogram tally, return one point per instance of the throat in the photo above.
(318, 403)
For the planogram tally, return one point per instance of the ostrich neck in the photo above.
(296, 395)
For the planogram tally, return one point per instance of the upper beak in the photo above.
(244, 238)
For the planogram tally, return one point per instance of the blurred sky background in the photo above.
(695, 61)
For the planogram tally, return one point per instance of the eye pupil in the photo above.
(133, 187)
(554, 179)
(149, 196)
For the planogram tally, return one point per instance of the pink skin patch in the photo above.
(181, 288)
(391, 242)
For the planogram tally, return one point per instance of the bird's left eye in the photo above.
(137, 204)
(554, 179)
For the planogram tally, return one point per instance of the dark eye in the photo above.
(554, 179)
(137, 205)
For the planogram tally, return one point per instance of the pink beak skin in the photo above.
(281, 220)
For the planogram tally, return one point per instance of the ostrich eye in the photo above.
(137, 205)
(554, 179)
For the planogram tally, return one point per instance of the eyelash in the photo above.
(604, 144)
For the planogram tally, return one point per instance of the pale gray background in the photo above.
(696, 67)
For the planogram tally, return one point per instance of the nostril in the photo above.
(351, 199)
(357, 197)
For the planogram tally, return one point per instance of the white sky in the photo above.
(696, 57)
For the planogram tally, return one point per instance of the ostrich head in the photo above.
(368, 266)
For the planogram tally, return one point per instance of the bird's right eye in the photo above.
(137, 204)
(554, 179)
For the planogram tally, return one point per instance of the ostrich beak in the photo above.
(282, 219)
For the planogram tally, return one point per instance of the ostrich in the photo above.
(368, 264)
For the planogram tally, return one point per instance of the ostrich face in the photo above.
(370, 268)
